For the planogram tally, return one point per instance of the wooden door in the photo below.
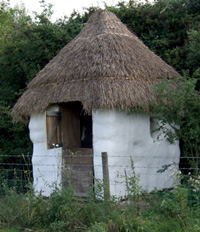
(77, 161)
(53, 132)
(71, 125)
(78, 170)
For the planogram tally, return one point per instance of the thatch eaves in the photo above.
(105, 66)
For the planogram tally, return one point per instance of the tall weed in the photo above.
(167, 210)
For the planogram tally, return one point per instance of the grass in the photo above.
(9, 230)
(164, 211)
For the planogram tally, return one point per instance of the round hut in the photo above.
(78, 105)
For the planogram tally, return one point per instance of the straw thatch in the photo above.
(105, 66)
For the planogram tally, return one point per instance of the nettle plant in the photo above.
(177, 104)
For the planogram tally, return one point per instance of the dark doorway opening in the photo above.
(86, 130)
(77, 148)
(76, 126)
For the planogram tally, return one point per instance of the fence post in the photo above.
(106, 181)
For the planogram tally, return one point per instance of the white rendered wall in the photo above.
(124, 136)
(46, 162)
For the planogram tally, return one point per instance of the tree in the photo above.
(168, 27)
(178, 104)
(26, 46)
(163, 26)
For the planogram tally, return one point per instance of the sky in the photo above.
(63, 7)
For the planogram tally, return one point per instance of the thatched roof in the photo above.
(105, 66)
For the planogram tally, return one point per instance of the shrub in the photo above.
(178, 104)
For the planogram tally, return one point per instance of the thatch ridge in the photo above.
(105, 66)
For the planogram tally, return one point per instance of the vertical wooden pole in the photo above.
(106, 181)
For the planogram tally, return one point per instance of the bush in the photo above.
(178, 105)
(169, 210)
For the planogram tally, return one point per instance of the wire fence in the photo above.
(20, 171)
(15, 171)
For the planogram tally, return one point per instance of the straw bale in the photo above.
(105, 66)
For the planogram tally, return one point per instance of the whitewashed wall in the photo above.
(124, 136)
(46, 162)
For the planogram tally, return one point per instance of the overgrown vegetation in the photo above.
(178, 104)
(176, 210)
(170, 28)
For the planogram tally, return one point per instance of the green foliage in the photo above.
(162, 26)
(12, 213)
(193, 49)
(177, 104)
(8, 22)
(98, 227)
(9, 230)
(26, 46)
(168, 27)
(176, 203)
(62, 211)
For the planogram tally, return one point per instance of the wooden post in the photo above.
(106, 181)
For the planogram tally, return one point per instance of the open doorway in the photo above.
(77, 148)
(86, 130)
(76, 126)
